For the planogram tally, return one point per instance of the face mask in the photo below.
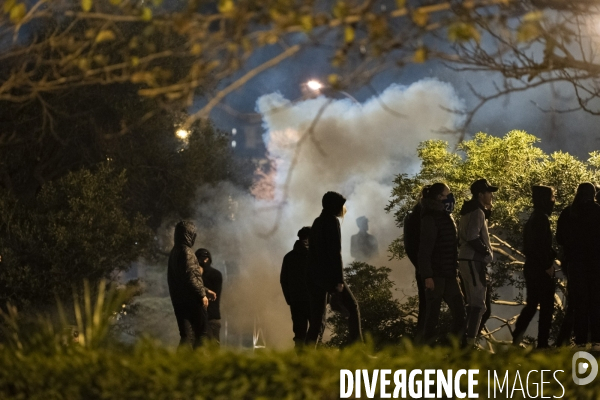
(449, 203)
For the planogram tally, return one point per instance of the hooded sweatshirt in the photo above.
(183, 275)
(213, 280)
(293, 274)
(325, 267)
(474, 239)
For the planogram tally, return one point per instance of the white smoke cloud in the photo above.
(357, 151)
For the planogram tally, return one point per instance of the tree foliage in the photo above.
(514, 163)
(174, 51)
(76, 229)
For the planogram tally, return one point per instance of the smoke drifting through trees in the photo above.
(360, 149)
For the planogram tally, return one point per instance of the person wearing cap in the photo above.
(437, 261)
(475, 253)
(578, 232)
(213, 280)
(186, 287)
(293, 284)
(363, 245)
(539, 267)
(325, 270)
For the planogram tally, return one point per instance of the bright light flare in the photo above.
(182, 134)
(314, 85)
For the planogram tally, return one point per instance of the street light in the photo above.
(182, 134)
(317, 87)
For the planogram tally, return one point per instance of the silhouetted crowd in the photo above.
(451, 264)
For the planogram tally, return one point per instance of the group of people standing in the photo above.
(452, 260)
(195, 289)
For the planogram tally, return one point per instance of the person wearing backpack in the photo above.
(475, 254)
(438, 262)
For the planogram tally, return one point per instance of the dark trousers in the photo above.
(566, 328)
(586, 299)
(422, 305)
(445, 289)
(192, 323)
(213, 331)
(300, 316)
(318, 309)
(540, 290)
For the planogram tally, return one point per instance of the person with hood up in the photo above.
(438, 263)
(326, 270)
(186, 288)
(579, 233)
(539, 267)
(363, 245)
(213, 280)
(475, 254)
(293, 284)
(411, 237)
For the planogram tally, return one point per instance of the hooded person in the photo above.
(213, 280)
(475, 254)
(293, 285)
(578, 231)
(186, 287)
(325, 270)
(437, 262)
(539, 267)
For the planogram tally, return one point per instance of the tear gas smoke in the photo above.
(355, 150)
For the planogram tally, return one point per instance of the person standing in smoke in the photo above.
(539, 267)
(186, 288)
(475, 254)
(579, 233)
(326, 270)
(363, 246)
(293, 284)
(213, 280)
(411, 237)
(438, 262)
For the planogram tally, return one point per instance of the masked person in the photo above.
(475, 254)
(213, 280)
(578, 232)
(186, 287)
(293, 284)
(326, 270)
(438, 264)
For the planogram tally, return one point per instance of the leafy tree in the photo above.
(381, 316)
(513, 163)
(76, 229)
(176, 50)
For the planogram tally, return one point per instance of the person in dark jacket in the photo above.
(411, 237)
(293, 284)
(186, 287)
(438, 262)
(326, 270)
(539, 267)
(213, 280)
(579, 234)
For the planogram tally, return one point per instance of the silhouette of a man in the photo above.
(363, 245)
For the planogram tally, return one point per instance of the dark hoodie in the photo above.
(325, 267)
(438, 255)
(537, 235)
(183, 275)
(293, 274)
(213, 280)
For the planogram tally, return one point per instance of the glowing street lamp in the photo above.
(182, 134)
(314, 85)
